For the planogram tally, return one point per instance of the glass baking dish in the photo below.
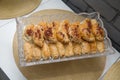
(72, 17)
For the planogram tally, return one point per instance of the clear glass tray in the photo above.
(72, 17)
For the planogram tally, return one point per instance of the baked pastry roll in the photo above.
(28, 32)
(74, 32)
(50, 33)
(97, 30)
(56, 25)
(43, 24)
(45, 51)
(77, 49)
(61, 49)
(65, 25)
(69, 49)
(28, 51)
(53, 51)
(93, 47)
(62, 32)
(85, 30)
(36, 52)
(38, 36)
(85, 46)
(100, 46)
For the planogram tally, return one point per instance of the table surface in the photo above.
(7, 31)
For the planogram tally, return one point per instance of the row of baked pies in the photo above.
(62, 39)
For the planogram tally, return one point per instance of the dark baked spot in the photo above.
(62, 34)
(53, 23)
(29, 32)
(37, 34)
(48, 32)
